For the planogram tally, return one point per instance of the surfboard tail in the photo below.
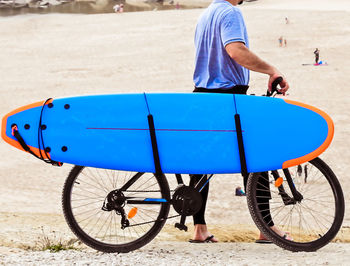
(322, 147)
(10, 124)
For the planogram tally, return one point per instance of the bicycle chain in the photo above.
(170, 217)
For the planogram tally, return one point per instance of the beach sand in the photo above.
(54, 56)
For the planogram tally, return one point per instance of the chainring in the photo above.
(192, 197)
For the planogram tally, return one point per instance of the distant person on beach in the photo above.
(280, 41)
(177, 6)
(116, 8)
(317, 55)
(222, 64)
(287, 20)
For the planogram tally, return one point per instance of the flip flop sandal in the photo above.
(266, 241)
(207, 240)
(263, 241)
(288, 237)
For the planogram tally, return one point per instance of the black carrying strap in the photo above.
(244, 170)
(242, 157)
(152, 132)
(23, 144)
(21, 141)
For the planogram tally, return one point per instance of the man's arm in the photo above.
(243, 56)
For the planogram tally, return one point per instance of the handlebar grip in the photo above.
(274, 85)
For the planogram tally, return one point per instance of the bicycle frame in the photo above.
(297, 197)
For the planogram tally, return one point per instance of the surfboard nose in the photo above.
(323, 146)
(285, 133)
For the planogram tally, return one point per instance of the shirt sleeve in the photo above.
(232, 28)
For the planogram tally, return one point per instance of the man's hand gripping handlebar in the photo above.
(277, 81)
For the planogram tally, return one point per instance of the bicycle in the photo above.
(118, 211)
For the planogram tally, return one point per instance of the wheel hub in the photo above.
(115, 200)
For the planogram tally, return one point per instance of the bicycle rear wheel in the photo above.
(314, 221)
(115, 211)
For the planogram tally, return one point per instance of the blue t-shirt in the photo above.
(220, 24)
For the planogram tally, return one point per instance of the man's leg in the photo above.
(201, 232)
(198, 218)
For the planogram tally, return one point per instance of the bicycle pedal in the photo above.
(181, 227)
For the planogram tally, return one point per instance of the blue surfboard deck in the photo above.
(195, 132)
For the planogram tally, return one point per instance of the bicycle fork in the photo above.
(297, 196)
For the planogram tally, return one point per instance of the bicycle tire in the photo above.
(115, 239)
(314, 221)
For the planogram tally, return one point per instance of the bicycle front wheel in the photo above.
(311, 223)
(115, 211)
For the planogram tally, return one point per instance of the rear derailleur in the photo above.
(115, 200)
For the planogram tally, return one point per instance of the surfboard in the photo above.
(195, 132)
(318, 64)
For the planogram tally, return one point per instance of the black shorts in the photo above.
(238, 89)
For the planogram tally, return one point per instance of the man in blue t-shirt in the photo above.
(222, 64)
(223, 58)
(219, 26)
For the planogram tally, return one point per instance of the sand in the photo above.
(55, 55)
